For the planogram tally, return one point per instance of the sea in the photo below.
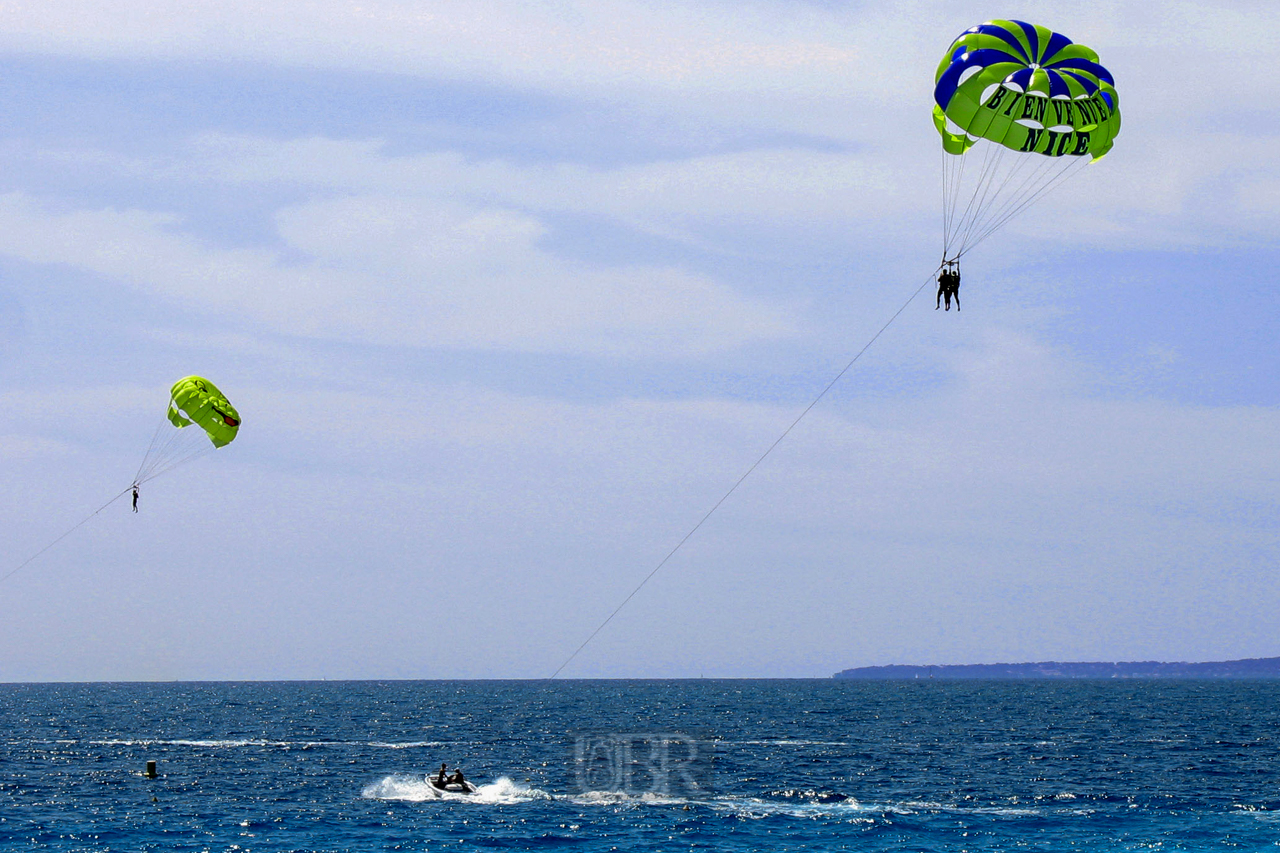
(704, 764)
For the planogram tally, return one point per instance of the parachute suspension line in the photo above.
(1031, 196)
(983, 193)
(948, 178)
(178, 446)
(73, 529)
(748, 472)
(183, 460)
(183, 446)
(991, 161)
(993, 165)
(1005, 186)
(155, 436)
(1036, 178)
(954, 166)
(946, 217)
(952, 175)
(1031, 190)
(953, 179)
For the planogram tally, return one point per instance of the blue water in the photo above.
(798, 765)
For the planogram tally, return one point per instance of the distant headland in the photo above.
(1248, 668)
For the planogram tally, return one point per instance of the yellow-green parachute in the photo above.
(195, 400)
(1032, 106)
(199, 419)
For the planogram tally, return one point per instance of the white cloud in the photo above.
(1019, 431)
(404, 271)
(796, 185)
(1016, 428)
(802, 60)
(23, 448)
(1189, 84)
(708, 47)
(1017, 423)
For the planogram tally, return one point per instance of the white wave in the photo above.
(813, 805)
(278, 744)
(622, 798)
(219, 744)
(504, 790)
(916, 806)
(754, 808)
(785, 742)
(1261, 813)
(416, 789)
(751, 808)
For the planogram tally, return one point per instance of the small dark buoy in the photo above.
(151, 770)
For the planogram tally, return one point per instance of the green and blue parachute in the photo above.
(1031, 107)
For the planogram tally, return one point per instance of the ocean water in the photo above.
(817, 765)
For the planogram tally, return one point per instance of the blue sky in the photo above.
(509, 295)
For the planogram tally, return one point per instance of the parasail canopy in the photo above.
(1027, 88)
(195, 400)
(1006, 91)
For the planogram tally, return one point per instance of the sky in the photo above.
(509, 295)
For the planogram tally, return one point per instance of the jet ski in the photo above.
(453, 787)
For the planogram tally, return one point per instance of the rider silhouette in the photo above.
(948, 286)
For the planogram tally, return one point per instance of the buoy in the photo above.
(151, 770)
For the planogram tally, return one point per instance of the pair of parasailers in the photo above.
(949, 285)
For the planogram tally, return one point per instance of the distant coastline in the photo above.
(1247, 668)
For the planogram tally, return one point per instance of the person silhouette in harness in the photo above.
(948, 286)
